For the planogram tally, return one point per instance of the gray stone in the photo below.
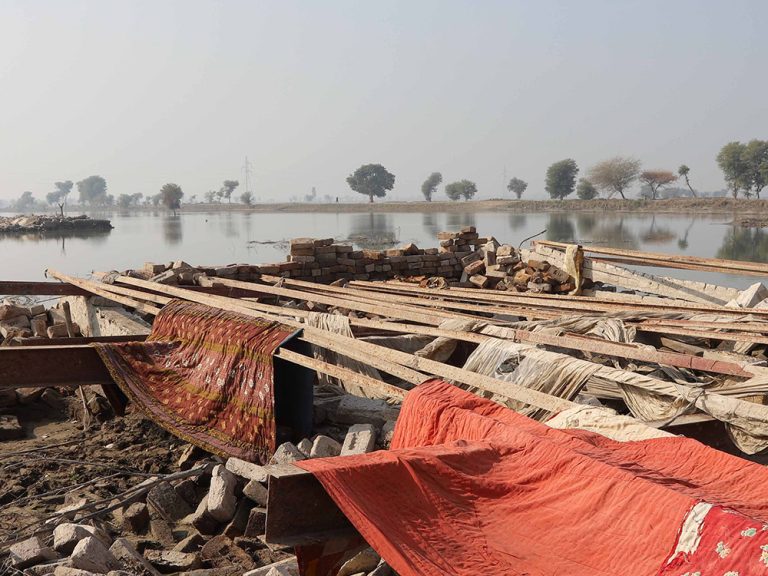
(67, 535)
(91, 554)
(325, 447)
(30, 552)
(287, 453)
(221, 495)
(173, 561)
(166, 501)
(130, 559)
(364, 561)
(10, 429)
(287, 567)
(247, 470)
(240, 520)
(46, 568)
(360, 439)
(305, 447)
(256, 492)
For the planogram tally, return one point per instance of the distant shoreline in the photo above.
(669, 206)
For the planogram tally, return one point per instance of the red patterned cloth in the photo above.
(205, 375)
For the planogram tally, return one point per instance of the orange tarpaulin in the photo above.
(471, 487)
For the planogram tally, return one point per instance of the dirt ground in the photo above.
(674, 205)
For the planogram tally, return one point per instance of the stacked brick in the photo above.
(464, 258)
(320, 260)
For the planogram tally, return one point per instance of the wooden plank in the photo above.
(100, 290)
(365, 382)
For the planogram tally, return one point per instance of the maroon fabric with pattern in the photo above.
(206, 375)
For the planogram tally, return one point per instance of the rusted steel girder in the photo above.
(67, 366)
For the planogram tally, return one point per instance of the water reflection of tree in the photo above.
(227, 223)
(657, 234)
(585, 223)
(560, 228)
(172, 231)
(517, 221)
(682, 242)
(750, 244)
(96, 236)
(615, 235)
(460, 219)
(373, 231)
(430, 224)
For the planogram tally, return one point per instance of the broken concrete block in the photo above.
(28, 395)
(246, 470)
(256, 492)
(136, 517)
(257, 522)
(10, 429)
(750, 297)
(387, 433)
(305, 447)
(286, 453)
(221, 552)
(168, 503)
(173, 561)
(191, 543)
(30, 552)
(189, 456)
(39, 325)
(383, 569)
(91, 554)
(287, 567)
(360, 439)
(356, 409)
(130, 559)
(67, 535)
(324, 447)
(201, 519)
(221, 495)
(10, 311)
(60, 330)
(364, 561)
(47, 568)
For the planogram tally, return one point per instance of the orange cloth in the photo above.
(473, 488)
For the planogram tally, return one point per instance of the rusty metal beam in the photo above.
(13, 288)
(67, 366)
(299, 510)
(80, 340)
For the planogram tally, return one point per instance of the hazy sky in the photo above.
(147, 92)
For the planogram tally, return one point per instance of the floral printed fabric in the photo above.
(205, 375)
(731, 544)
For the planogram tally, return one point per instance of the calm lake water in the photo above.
(227, 237)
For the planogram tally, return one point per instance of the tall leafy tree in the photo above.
(517, 187)
(429, 187)
(371, 180)
(25, 202)
(615, 175)
(170, 196)
(93, 190)
(683, 173)
(59, 197)
(561, 178)
(733, 162)
(227, 188)
(756, 159)
(246, 198)
(656, 179)
(462, 189)
(585, 190)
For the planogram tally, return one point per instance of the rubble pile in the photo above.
(47, 223)
(209, 519)
(18, 322)
(463, 259)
